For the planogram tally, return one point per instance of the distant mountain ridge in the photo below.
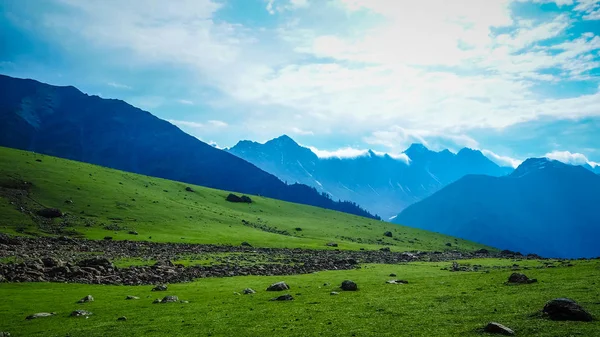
(380, 183)
(64, 122)
(543, 207)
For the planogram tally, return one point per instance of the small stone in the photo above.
(169, 299)
(332, 244)
(184, 302)
(497, 328)
(279, 286)
(286, 297)
(565, 309)
(80, 313)
(40, 315)
(246, 244)
(333, 293)
(385, 249)
(348, 285)
(4, 334)
(156, 301)
(392, 275)
(160, 287)
(236, 293)
(388, 234)
(189, 189)
(448, 244)
(397, 282)
(50, 213)
(132, 297)
(249, 291)
(122, 318)
(133, 232)
(86, 299)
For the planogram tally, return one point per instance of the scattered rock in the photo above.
(68, 201)
(448, 244)
(332, 244)
(286, 297)
(86, 299)
(234, 198)
(249, 291)
(80, 313)
(482, 251)
(333, 293)
(169, 299)
(133, 232)
(397, 282)
(348, 285)
(40, 315)
(279, 286)
(246, 244)
(132, 297)
(189, 189)
(184, 302)
(160, 287)
(518, 278)
(4, 334)
(392, 275)
(388, 234)
(298, 229)
(108, 238)
(497, 328)
(385, 249)
(122, 318)
(50, 262)
(156, 301)
(565, 309)
(50, 213)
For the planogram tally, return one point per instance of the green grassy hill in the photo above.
(104, 202)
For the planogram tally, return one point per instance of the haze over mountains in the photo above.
(64, 122)
(544, 207)
(382, 184)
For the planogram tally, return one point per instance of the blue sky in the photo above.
(514, 78)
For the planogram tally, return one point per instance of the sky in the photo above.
(513, 78)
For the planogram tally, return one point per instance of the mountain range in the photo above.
(543, 207)
(381, 183)
(64, 122)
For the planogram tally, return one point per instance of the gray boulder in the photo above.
(565, 309)
(249, 291)
(279, 286)
(169, 299)
(80, 313)
(286, 297)
(86, 299)
(348, 285)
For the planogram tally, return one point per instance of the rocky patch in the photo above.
(518, 278)
(40, 315)
(86, 299)
(286, 297)
(80, 313)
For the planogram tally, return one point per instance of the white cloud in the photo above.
(185, 102)
(186, 123)
(218, 124)
(570, 158)
(395, 63)
(299, 131)
(118, 85)
(502, 160)
(350, 152)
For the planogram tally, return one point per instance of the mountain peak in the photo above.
(283, 140)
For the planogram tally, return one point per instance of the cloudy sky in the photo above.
(514, 78)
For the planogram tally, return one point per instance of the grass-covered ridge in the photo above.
(100, 200)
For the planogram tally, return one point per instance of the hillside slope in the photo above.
(380, 183)
(106, 202)
(64, 122)
(544, 207)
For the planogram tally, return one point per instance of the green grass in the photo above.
(162, 211)
(434, 303)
